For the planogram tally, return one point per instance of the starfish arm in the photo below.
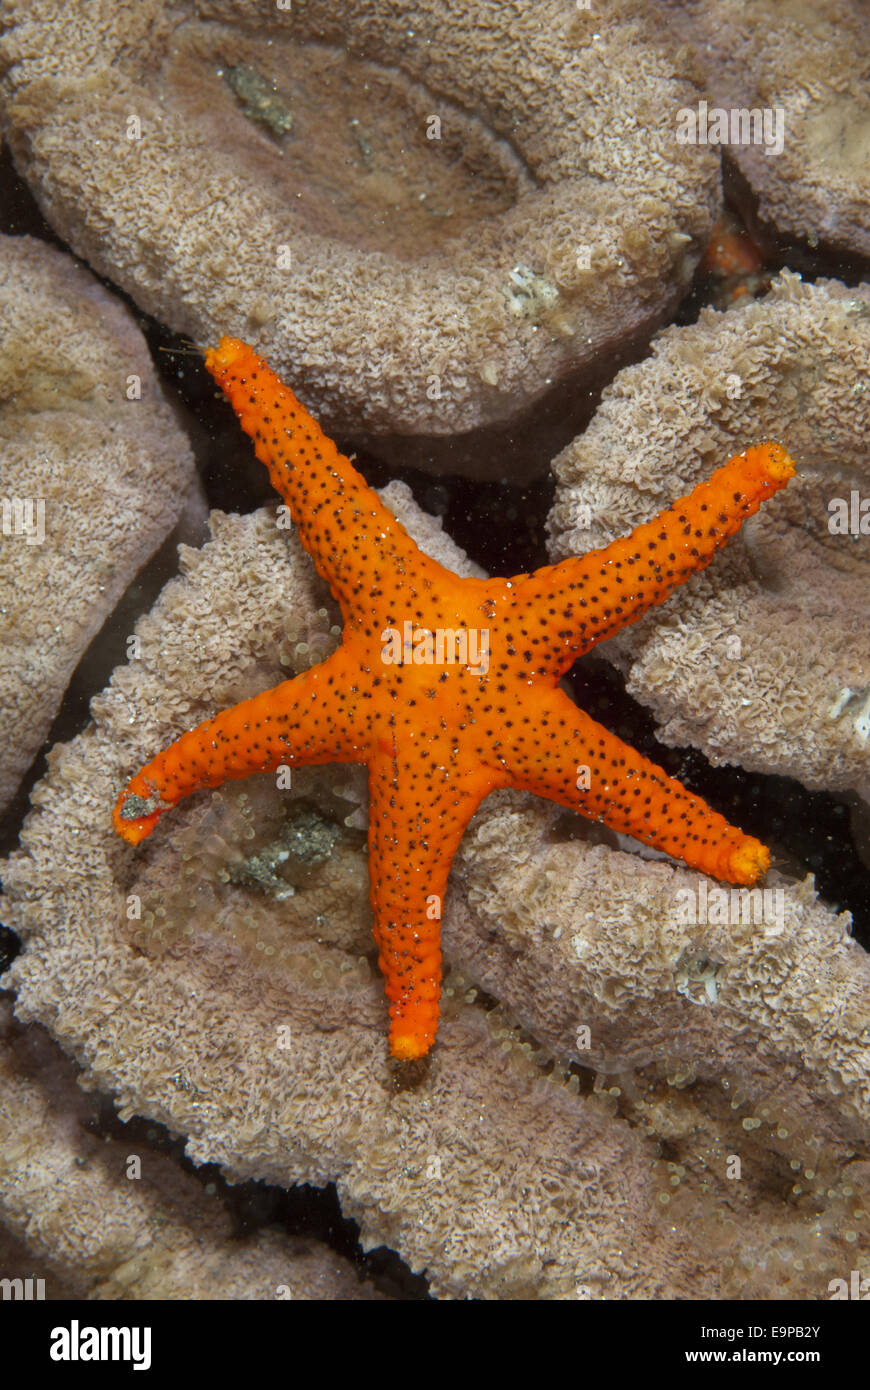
(586, 599)
(418, 812)
(300, 722)
(356, 543)
(575, 761)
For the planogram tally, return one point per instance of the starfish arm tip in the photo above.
(139, 808)
(131, 829)
(749, 862)
(222, 357)
(773, 460)
(409, 1047)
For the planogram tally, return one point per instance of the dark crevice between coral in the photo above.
(500, 524)
(586, 1078)
(19, 211)
(813, 261)
(306, 1211)
(516, 452)
(778, 252)
(10, 946)
(107, 649)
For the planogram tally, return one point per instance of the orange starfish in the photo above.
(447, 687)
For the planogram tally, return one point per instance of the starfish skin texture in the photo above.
(438, 734)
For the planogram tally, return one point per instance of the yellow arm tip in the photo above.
(773, 460)
(408, 1047)
(228, 351)
(137, 812)
(749, 862)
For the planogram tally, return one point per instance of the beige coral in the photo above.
(764, 659)
(768, 987)
(812, 64)
(413, 269)
(92, 480)
(743, 1034)
(81, 1211)
(255, 1025)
